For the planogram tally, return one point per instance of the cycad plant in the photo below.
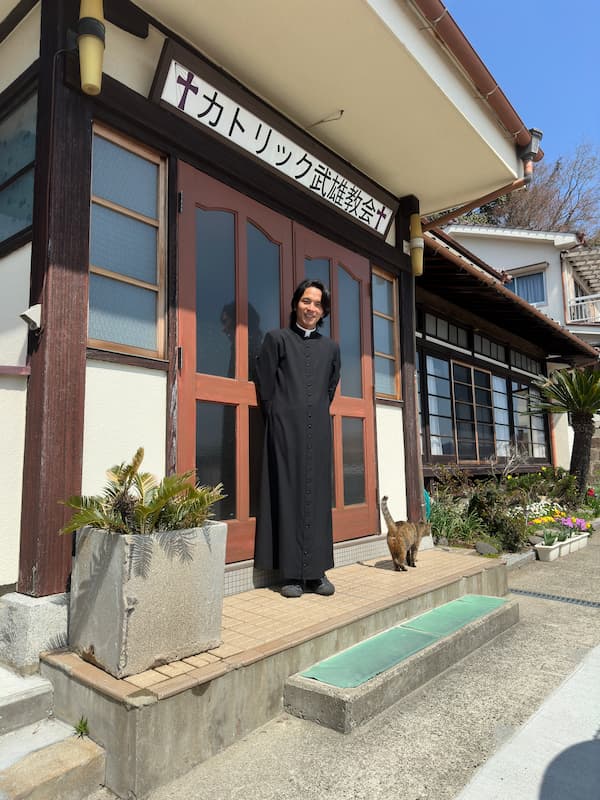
(134, 502)
(575, 392)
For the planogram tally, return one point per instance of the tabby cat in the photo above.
(403, 538)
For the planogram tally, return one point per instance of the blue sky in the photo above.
(545, 55)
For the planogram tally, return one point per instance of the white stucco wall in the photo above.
(14, 298)
(15, 270)
(130, 60)
(509, 255)
(20, 48)
(390, 459)
(13, 396)
(125, 408)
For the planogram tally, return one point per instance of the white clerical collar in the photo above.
(305, 331)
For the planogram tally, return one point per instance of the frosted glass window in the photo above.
(350, 344)
(17, 139)
(125, 178)
(383, 297)
(383, 332)
(122, 313)
(385, 375)
(16, 206)
(123, 244)
(17, 154)
(317, 269)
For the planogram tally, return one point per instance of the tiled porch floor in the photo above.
(261, 623)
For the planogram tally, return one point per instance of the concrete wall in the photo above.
(20, 48)
(390, 459)
(125, 408)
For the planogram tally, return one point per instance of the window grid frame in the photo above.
(12, 108)
(159, 223)
(395, 320)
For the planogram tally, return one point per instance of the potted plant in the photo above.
(148, 569)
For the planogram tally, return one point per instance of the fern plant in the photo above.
(134, 502)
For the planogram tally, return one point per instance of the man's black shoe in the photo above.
(321, 586)
(292, 589)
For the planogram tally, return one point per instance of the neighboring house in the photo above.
(481, 349)
(551, 270)
(162, 224)
(556, 274)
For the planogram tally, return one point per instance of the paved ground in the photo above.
(488, 711)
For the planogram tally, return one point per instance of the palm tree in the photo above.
(575, 392)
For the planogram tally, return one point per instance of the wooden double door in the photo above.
(238, 265)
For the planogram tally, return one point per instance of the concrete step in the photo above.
(23, 700)
(47, 761)
(346, 690)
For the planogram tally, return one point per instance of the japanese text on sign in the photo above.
(210, 107)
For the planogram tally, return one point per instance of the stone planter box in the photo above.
(139, 601)
(565, 547)
(579, 541)
(548, 552)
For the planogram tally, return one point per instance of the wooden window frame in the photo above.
(395, 320)
(24, 234)
(510, 376)
(475, 405)
(160, 224)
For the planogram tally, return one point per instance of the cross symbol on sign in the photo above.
(382, 215)
(188, 84)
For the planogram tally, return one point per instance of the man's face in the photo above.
(309, 309)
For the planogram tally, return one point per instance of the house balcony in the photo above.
(584, 310)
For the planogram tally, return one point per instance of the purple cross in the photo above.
(382, 215)
(188, 84)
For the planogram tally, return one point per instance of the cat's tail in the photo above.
(386, 514)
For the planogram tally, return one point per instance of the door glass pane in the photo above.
(349, 326)
(215, 293)
(125, 178)
(354, 461)
(318, 269)
(263, 291)
(123, 244)
(383, 299)
(122, 313)
(383, 333)
(255, 451)
(215, 452)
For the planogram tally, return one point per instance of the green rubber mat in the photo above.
(450, 617)
(363, 661)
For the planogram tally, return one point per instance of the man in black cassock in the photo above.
(297, 373)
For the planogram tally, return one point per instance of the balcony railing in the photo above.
(585, 310)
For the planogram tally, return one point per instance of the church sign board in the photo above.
(193, 89)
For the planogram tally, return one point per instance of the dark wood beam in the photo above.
(412, 448)
(55, 398)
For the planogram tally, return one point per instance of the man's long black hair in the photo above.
(325, 299)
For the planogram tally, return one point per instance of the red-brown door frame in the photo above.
(201, 191)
